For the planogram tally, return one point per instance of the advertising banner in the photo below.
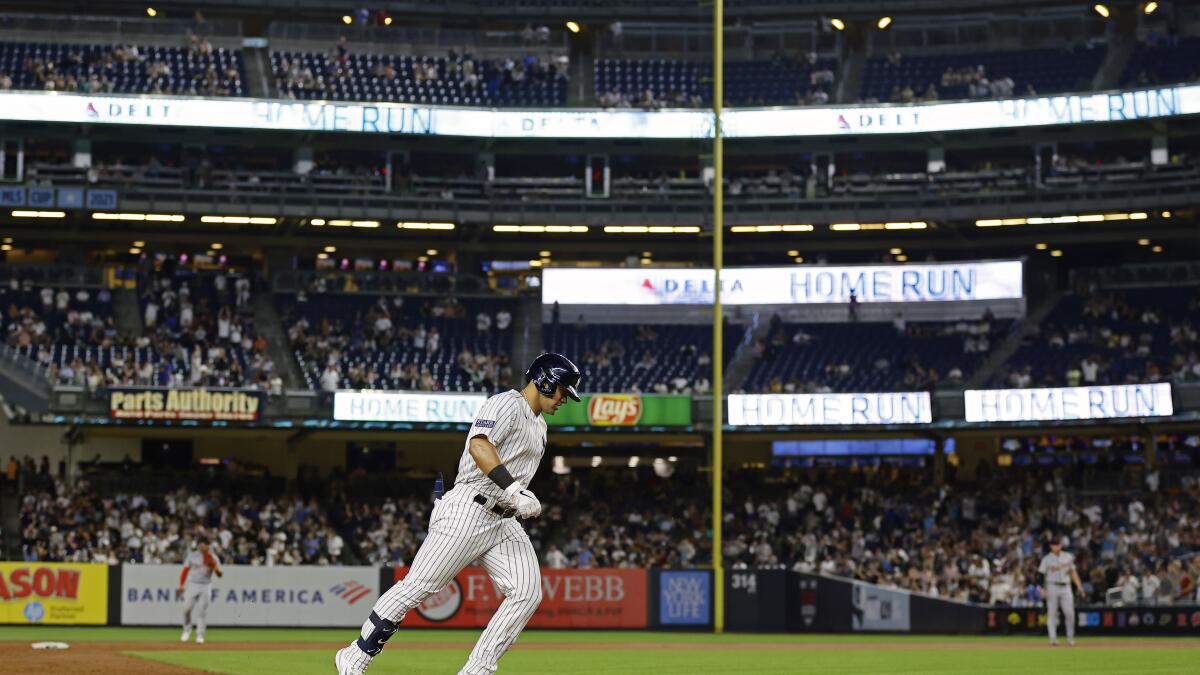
(58, 593)
(412, 119)
(571, 598)
(404, 406)
(875, 608)
(1068, 403)
(226, 405)
(798, 284)
(254, 596)
(905, 407)
(684, 598)
(1113, 621)
(625, 410)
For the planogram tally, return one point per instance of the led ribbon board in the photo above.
(809, 284)
(414, 119)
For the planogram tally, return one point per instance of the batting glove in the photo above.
(523, 501)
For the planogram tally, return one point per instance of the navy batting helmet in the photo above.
(550, 370)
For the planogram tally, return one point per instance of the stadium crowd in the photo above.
(888, 526)
(195, 332)
(1112, 337)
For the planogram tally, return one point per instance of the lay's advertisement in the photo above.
(55, 593)
(624, 410)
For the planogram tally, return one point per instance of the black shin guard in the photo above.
(373, 643)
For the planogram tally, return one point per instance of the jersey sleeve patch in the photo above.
(485, 424)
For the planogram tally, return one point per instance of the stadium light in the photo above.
(542, 229)
(651, 229)
(895, 250)
(6, 247)
(1150, 7)
(793, 253)
(543, 254)
(432, 251)
(151, 12)
(239, 220)
(838, 24)
(1143, 242)
(135, 251)
(884, 22)
(901, 258)
(139, 244)
(1102, 10)
(1041, 246)
(573, 27)
(1056, 253)
(1058, 220)
(647, 254)
(799, 259)
(633, 461)
(39, 214)
(596, 461)
(322, 256)
(1166, 214)
(387, 20)
(316, 222)
(140, 217)
(331, 249)
(800, 227)
(416, 225)
(1157, 248)
(217, 246)
(346, 19)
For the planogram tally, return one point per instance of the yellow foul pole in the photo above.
(718, 387)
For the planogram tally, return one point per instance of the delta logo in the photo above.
(615, 410)
(689, 289)
(351, 591)
(887, 119)
(127, 110)
(41, 582)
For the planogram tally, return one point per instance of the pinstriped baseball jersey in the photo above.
(519, 435)
(198, 571)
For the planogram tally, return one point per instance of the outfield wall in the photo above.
(756, 600)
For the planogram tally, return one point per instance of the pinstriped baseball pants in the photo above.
(461, 531)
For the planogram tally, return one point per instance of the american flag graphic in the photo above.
(350, 591)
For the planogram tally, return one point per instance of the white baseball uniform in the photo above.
(1057, 570)
(462, 530)
(197, 575)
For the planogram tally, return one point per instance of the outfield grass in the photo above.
(600, 652)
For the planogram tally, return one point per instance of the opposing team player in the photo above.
(475, 521)
(195, 583)
(1059, 570)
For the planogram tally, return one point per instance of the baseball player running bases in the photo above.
(475, 521)
(1059, 570)
(195, 583)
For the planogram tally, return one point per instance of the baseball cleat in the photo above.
(186, 634)
(1071, 642)
(1054, 643)
(199, 639)
(344, 661)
